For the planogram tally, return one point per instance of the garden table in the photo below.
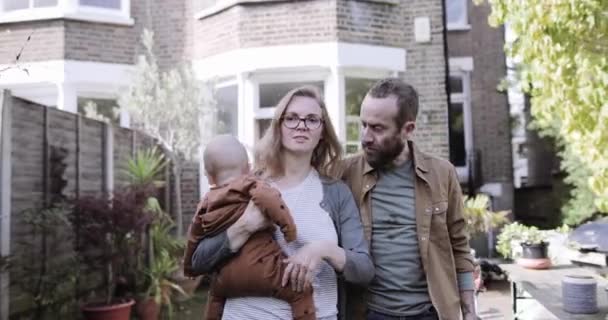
(545, 287)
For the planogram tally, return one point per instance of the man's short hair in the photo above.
(407, 98)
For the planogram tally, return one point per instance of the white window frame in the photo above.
(70, 9)
(462, 67)
(359, 73)
(279, 76)
(463, 23)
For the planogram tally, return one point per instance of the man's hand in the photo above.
(467, 304)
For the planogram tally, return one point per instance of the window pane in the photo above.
(108, 4)
(228, 113)
(455, 84)
(271, 93)
(356, 89)
(457, 143)
(99, 109)
(262, 125)
(10, 5)
(455, 10)
(44, 3)
(352, 148)
(352, 131)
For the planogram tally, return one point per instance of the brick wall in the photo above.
(190, 191)
(375, 23)
(255, 25)
(217, 33)
(97, 42)
(47, 42)
(170, 20)
(490, 109)
(426, 71)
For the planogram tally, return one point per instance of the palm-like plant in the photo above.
(145, 170)
(161, 286)
(479, 217)
(146, 167)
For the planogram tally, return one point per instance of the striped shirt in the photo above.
(313, 223)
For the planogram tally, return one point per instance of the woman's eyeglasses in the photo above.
(291, 121)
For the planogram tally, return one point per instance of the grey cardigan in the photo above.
(338, 201)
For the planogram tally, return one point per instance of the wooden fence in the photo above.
(47, 153)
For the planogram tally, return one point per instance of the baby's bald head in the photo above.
(225, 159)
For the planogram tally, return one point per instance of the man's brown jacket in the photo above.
(442, 237)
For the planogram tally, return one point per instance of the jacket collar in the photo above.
(419, 159)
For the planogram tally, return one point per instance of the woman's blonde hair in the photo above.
(326, 154)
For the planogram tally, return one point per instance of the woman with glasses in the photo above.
(297, 155)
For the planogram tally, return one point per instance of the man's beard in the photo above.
(384, 153)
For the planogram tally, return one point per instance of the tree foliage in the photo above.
(561, 47)
(174, 107)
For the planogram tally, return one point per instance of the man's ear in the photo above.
(408, 128)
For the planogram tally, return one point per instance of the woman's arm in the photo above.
(212, 251)
(352, 260)
(358, 265)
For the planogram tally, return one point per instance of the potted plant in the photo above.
(109, 231)
(161, 287)
(480, 221)
(164, 249)
(533, 248)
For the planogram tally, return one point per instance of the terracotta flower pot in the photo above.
(147, 309)
(115, 311)
(534, 256)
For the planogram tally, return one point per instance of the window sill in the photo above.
(458, 27)
(395, 2)
(88, 15)
(226, 4)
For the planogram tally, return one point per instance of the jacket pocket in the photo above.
(439, 227)
(439, 208)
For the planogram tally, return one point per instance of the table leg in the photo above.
(514, 299)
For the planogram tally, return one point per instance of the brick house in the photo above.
(480, 134)
(83, 50)
(257, 50)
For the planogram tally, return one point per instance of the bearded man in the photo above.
(411, 209)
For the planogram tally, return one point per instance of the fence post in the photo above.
(108, 161)
(5, 197)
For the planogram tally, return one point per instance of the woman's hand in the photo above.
(250, 222)
(302, 266)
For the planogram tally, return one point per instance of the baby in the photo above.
(257, 269)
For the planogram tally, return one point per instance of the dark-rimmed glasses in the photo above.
(311, 122)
